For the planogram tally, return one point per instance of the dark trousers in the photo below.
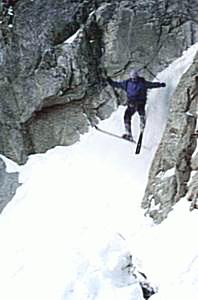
(131, 109)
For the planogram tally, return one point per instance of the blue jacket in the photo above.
(136, 90)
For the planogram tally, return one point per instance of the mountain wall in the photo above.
(174, 171)
(54, 61)
(9, 184)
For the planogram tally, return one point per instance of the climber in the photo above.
(136, 89)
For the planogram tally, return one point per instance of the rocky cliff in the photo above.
(174, 171)
(9, 184)
(54, 60)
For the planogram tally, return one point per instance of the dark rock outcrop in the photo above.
(173, 165)
(8, 183)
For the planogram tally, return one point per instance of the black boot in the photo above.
(128, 134)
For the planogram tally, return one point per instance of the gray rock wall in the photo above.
(52, 88)
(9, 184)
(173, 173)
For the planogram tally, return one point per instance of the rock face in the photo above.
(173, 173)
(192, 194)
(54, 59)
(8, 183)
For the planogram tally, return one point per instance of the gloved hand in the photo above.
(163, 84)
